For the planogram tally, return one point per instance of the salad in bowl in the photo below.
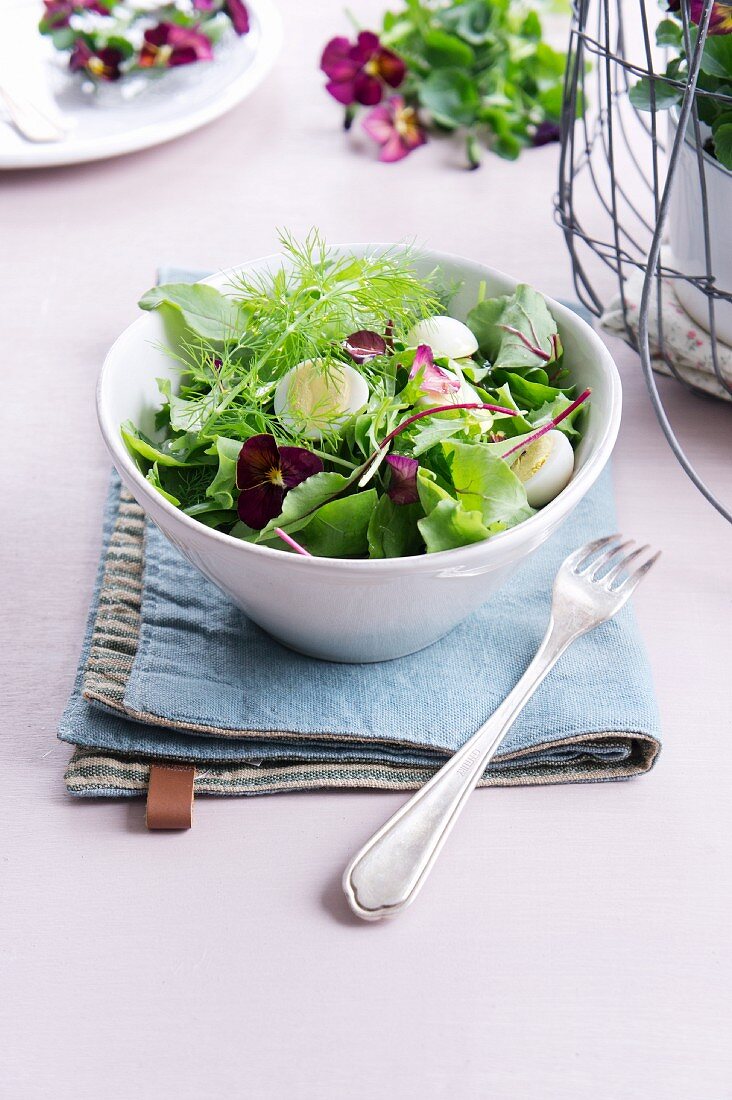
(333, 407)
(359, 444)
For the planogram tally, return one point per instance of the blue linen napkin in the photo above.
(170, 670)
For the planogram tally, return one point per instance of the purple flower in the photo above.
(58, 12)
(264, 473)
(357, 73)
(364, 345)
(168, 45)
(395, 127)
(403, 481)
(434, 382)
(235, 9)
(721, 21)
(238, 15)
(101, 64)
(721, 18)
(546, 132)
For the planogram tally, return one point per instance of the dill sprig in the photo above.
(305, 309)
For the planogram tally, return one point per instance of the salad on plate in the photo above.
(108, 40)
(333, 407)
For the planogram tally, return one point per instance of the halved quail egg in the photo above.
(316, 398)
(446, 336)
(545, 467)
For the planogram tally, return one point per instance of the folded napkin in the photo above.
(686, 345)
(171, 672)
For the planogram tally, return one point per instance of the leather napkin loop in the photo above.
(170, 797)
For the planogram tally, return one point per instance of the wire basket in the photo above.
(623, 171)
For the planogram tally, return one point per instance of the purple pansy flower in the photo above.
(403, 480)
(264, 473)
(546, 132)
(168, 45)
(58, 12)
(235, 9)
(395, 127)
(101, 64)
(357, 73)
(434, 382)
(721, 18)
(238, 15)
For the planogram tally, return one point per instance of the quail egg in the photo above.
(315, 399)
(446, 336)
(545, 467)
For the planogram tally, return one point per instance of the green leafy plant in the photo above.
(478, 67)
(714, 88)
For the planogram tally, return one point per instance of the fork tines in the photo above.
(587, 562)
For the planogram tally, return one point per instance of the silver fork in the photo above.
(390, 870)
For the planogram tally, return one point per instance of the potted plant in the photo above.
(706, 169)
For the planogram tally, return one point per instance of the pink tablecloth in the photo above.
(573, 942)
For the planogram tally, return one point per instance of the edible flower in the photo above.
(546, 133)
(264, 473)
(721, 17)
(358, 73)
(57, 13)
(235, 9)
(364, 345)
(403, 480)
(434, 382)
(167, 45)
(396, 128)
(102, 64)
(721, 20)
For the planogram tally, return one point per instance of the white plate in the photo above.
(108, 124)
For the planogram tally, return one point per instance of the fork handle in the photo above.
(29, 120)
(391, 868)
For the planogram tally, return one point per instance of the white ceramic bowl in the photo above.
(352, 610)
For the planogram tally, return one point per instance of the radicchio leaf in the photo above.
(403, 481)
(364, 345)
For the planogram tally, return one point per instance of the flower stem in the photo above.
(544, 356)
(472, 151)
(292, 544)
(442, 408)
(334, 458)
(549, 425)
(374, 461)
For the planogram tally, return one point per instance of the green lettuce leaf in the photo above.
(449, 525)
(527, 313)
(203, 309)
(532, 395)
(301, 501)
(484, 483)
(222, 489)
(339, 529)
(552, 409)
(430, 492)
(187, 414)
(139, 445)
(153, 476)
(393, 531)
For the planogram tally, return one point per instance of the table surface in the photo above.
(572, 942)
